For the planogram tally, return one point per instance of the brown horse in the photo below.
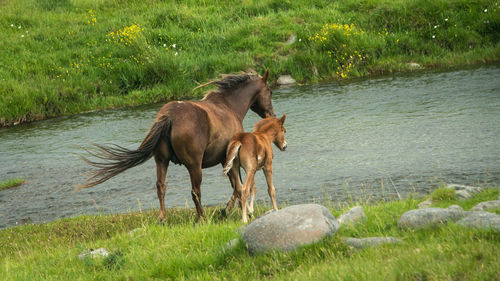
(192, 133)
(253, 152)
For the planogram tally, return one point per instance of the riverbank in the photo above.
(67, 57)
(139, 248)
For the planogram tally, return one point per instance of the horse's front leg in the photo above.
(196, 175)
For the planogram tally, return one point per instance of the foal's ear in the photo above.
(267, 115)
(266, 75)
(282, 119)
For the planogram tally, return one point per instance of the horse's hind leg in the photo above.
(196, 175)
(249, 181)
(268, 172)
(161, 187)
(253, 191)
(235, 179)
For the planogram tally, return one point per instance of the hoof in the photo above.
(223, 213)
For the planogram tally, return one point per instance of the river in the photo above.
(368, 139)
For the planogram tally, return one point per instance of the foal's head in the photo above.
(275, 128)
(262, 104)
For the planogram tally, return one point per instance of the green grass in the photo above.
(65, 57)
(185, 249)
(11, 183)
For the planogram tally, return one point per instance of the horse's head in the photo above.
(262, 104)
(280, 141)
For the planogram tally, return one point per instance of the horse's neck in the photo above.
(240, 100)
(269, 133)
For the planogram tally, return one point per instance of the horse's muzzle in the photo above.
(284, 146)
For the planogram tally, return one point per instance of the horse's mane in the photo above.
(228, 82)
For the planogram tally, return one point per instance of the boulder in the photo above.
(286, 80)
(488, 205)
(289, 228)
(481, 219)
(352, 216)
(420, 218)
(425, 204)
(360, 243)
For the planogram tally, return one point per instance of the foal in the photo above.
(253, 152)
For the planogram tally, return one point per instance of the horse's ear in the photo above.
(266, 75)
(282, 119)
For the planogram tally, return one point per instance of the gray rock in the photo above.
(286, 80)
(289, 228)
(352, 216)
(360, 243)
(291, 40)
(488, 205)
(425, 204)
(231, 244)
(468, 188)
(429, 217)
(463, 194)
(456, 208)
(101, 252)
(414, 65)
(481, 219)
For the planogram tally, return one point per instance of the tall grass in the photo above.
(64, 57)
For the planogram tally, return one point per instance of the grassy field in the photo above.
(63, 57)
(184, 249)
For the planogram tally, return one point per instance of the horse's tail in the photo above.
(232, 151)
(117, 159)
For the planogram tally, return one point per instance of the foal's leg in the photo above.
(161, 187)
(249, 181)
(268, 172)
(253, 191)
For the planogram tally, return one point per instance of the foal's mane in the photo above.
(228, 82)
(264, 124)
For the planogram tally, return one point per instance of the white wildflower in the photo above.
(485, 10)
(173, 46)
(433, 36)
(176, 53)
(22, 35)
(164, 45)
(12, 25)
(445, 19)
(19, 27)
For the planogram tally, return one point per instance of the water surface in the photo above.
(379, 138)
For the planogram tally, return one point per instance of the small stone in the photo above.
(360, 243)
(488, 205)
(420, 218)
(291, 40)
(354, 215)
(231, 244)
(101, 252)
(425, 204)
(414, 65)
(455, 208)
(481, 219)
(286, 80)
(289, 228)
(463, 194)
(468, 188)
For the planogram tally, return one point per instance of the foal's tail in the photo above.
(232, 151)
(118, 159)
